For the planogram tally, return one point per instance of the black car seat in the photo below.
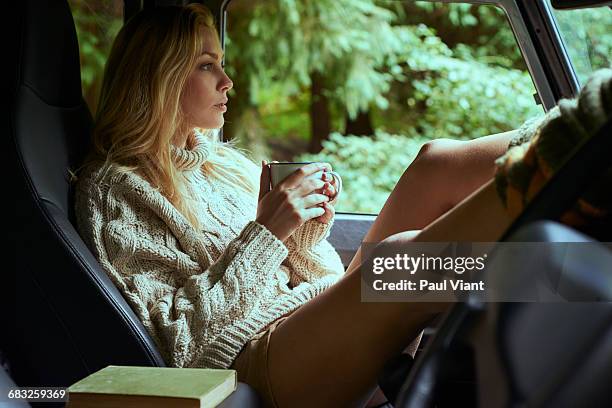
(67, 319)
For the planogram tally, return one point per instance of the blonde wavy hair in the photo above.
(139, 113)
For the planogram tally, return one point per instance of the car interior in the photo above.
(64, 319)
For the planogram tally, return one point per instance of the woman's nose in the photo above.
(226, 83)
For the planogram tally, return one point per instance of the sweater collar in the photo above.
(193, 158)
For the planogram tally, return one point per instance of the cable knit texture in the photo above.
(200, 294)
(544, 145)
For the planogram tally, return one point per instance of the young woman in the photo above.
(226, 274)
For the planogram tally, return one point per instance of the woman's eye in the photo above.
(206, 67)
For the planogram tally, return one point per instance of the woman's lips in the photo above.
(221, 107)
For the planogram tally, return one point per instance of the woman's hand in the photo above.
(330, 189)
(291, 202)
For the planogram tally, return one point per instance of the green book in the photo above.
(131, 387)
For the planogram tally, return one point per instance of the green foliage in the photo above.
(484, 29)
(423, 70)
(460, 76)
(587, 35)
(97, 23)
(284, 115)
(352, 42)
(370, 167)
(486, 98)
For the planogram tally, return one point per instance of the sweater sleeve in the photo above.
(316, 259)
(310, 233)
(182, 302)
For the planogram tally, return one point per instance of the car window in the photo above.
(97, 23)
(363, 84)
(587, 38)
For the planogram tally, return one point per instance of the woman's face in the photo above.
(204, 97)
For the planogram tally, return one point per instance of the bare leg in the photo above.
(442, 175)
(480, 217)
(330, 351)
(428, 179)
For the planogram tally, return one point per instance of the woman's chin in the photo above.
(219, 122)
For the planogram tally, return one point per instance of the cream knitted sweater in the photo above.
(201, 295)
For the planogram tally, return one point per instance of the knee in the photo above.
(394, 244)
(401, 237)
(439, 151)
(434, 160)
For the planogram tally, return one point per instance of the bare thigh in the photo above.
(480, 217)
(329, 352)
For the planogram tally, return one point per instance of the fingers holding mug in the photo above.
(296, 178)
(333, 185)
(337, 183)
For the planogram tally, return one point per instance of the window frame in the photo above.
(551, 49)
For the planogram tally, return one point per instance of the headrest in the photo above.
(49, 57)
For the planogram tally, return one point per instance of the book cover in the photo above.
(143, 386)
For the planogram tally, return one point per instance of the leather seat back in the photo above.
(69, 319)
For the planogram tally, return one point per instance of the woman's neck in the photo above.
(185, 140)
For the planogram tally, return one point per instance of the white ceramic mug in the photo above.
(280, 170)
